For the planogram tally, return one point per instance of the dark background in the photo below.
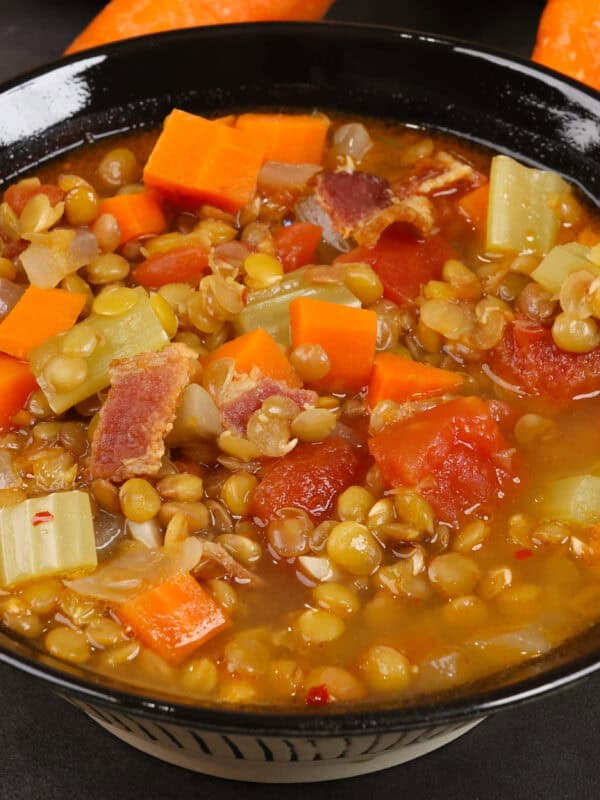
(49, 751)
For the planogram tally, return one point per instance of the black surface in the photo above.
(48, 750)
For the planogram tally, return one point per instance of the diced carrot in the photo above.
(16, 384)
(18, 195)
(256, 349)
(185, 265)
(296, 245)
(122, 19)
(347, 335)
(38, 315)
(138, 214)
(568, 39)
(196, 160)
(474, 206)
(174, 618)
(288, 138)
(400, 379)
(228, 119)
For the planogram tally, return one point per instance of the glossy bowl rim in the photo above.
(271, 721)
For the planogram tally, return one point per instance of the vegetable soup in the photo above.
(297, 409)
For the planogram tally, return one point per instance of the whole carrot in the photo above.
(122, 19)
(569, 39)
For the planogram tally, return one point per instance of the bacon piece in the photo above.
(139, 412)
(416, 211)
(437, 176)
(237, 411)
(352, 197)
(362, 206)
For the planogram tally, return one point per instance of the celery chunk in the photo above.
(575, 499)
(560, 262)
(135, 331)
(51, 535)
(269, 308)
(523, 207)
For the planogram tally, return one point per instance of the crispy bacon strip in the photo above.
(439, 175)
(362, 206)
(416, 211)
(139, 412)
(352, 197)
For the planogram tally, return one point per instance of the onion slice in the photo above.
(276, 176)
(352, 140)
(310, 210)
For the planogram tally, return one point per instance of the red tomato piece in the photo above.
(528, 359)
(186, 265)
(295, 245)
(403, 262)
(454, 453)
(310, 477)
(17, 196)
(317, 696)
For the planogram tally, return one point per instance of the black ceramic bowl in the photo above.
(486, 97)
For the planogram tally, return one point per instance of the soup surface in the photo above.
(297, 410)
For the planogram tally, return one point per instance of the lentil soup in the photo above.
(297, 409)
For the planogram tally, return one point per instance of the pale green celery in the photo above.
(560, 262)
(123, 336)
(61, 543)
(523, 208)
(269, 308)
(575, 499)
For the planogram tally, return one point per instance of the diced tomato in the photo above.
(403, 262)
(295, 245)
(17, 196)
(524, 553)
(503, 413)
(528, 359)
(186, 265)
(454, 454)
(317, 696)
(310, 477)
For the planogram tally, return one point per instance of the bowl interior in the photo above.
(508, 105)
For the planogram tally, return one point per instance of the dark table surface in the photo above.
(49, 750)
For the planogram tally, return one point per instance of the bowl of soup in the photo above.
(299, 476)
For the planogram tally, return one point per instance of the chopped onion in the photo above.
(10, 294)
(352, 140)
(326, 273)
(8, 478)
(527, 642)
(197, 417)
(83, 249)
(108, 530)
(148, 533)
(234, 253)
(310, 210)
(347, 433)
(136, 568)
(276, 176)
(52, 256)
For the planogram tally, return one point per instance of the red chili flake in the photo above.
(521, 555)
(41, 517)
(317, 696)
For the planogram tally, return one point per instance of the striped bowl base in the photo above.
(271, 759)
